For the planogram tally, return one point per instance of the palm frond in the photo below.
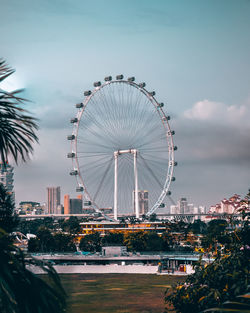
(17, 126)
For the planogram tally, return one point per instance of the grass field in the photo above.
(121, 293)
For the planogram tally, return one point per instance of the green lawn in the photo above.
(121, 293)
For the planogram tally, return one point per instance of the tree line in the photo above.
(63, 236)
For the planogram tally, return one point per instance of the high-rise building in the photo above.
(66, 204)
(6, 178)
(143, 201)
(73, 206)
(54, 199)
(183, 205)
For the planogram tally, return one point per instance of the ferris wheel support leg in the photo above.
(115, 186)
(136, 185)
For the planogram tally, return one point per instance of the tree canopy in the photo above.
(224, 279)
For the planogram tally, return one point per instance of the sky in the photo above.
(195, 54)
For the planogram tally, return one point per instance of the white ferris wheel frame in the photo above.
(169, 137)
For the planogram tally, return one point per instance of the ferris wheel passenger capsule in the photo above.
(79, 105)
(87, 93)
(79, 189)
(74, 120)
(71, 137)
(162, 205)
(173, 179)
(175, 163)
(118, 77)
(142, 85)
(168, 193)
(152, 93)
(71, 155)
(108, 78)
(86, 203)
(175, 148)
(73, 173)
(97, 84)
(160, 105)
(166, 118)
(171, 132)
(131, 79)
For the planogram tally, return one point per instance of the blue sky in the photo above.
(194, 54)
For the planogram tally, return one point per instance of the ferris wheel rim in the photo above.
(168, 134)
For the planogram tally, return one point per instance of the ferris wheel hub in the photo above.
(131, 151)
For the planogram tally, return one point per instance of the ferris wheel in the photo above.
(122, 148)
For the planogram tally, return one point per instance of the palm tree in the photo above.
(17, 127)
(20, 290)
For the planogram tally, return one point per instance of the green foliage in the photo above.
(47, 242)
(197, 227)
(91, 243)
(241, 304)
(33, 245)
(8, 220)
(214, 234)
(17, 128)
(71, 225)
(153, 242)
(216, 227)
(153, 217)
(224, 279)
(33, 226)
(64, 243)
(113, 239)
(135, 241)
(21, 291)
(30, 227)
(179, 227)
(144, 241)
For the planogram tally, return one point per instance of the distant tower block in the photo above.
(66, 204)
(73, 206)
(6, 178)
(54, 199)
(143, 201)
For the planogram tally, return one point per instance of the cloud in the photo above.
(218, 112)
(215, 132)
(213, 151)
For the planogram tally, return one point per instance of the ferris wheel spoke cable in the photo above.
(135, 116)
(115, 104)
(152, 173)
(103, 103)
(93, 167)
(94, 133)
(145, 139)
(138, 117)
(104, 131)
(88, 143)
(103, 178)
(93, 117)
(92, 153)
(138, 134)
(147, 142)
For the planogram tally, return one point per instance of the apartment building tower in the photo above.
(54, 199)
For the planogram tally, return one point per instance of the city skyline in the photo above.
(195, 56)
